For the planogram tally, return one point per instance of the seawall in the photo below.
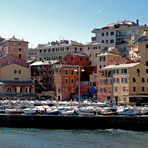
(138, 123)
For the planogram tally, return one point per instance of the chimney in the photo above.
(137, 22)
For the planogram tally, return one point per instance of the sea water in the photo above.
(44, 138)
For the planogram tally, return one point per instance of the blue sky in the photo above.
(41, 21)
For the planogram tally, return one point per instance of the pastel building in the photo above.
(119, 34)
(104, 83)
(15, 47)
(15, 78)
(42, 72)
(129, 81)
(139, 50)
(71, 76)
(56, 49)
(93, 50)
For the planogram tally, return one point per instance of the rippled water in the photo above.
(43, 138)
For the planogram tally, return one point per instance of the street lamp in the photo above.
(79, 82)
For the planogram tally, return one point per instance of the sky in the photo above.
(43, 21)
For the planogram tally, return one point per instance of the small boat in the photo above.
(87, 111)
(67, 112)
(13, 111)
(30, 110)
(128, 113)
(50, 111)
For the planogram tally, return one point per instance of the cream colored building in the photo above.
(129, 81)
(55, 50)
(119, 34)
(93, 50)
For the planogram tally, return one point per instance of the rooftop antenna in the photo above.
(60, 37)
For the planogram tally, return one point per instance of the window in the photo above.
(142, 88)
(19, 71)
(20, 49)
(106, 41)
(102, 58)
(106, 33)
(15, 71)
(116, 71)
(66, 80)
(102, 33)
(134, 79)
(143, 80)
(20, 56)
(134, 89)
(111, 33)
(72, 81)
(66, 71)
(112, 41)
(72, 72)
(146, 45)
(115, 89)
(125, 80)
(124, 89)
(102, 41)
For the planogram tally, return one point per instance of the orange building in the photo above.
(71, 76)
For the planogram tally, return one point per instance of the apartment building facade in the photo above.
(93, 50)
(55, 50)
(119, 34)
(129, 81)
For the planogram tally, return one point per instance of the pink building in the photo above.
(15, 47)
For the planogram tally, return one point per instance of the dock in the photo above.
(136, 123)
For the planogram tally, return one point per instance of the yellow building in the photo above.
(15, 78)
(129, 82)
(139, 50)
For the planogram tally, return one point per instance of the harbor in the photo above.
(72, 115)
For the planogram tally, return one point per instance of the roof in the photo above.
(9, 59)
(13, 39)
(107, 53)
(20, 82)
(37, 63)
(119, 66)
(62, 43)
(80, 54)
(122, 23)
